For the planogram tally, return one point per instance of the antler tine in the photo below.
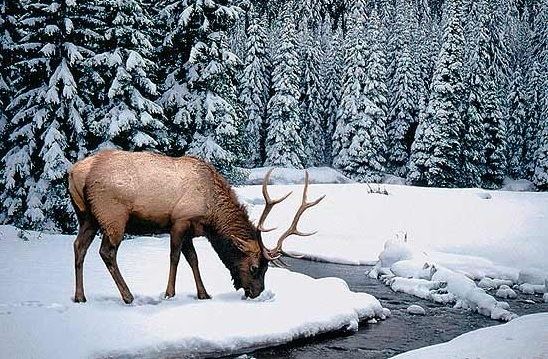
(277, 251)
(269, 203)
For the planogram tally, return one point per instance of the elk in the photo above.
(120, 192)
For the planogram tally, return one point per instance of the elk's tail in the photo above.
(75, 194)
(76, 182)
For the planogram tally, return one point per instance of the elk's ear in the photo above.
(240, 243)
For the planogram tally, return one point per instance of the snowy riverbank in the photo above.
(523, 338)
(430, 242)
(38, 318)
(507, 228)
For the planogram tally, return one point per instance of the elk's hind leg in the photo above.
(190, 254)
(178, 232)
(86, 233)
(113, 234)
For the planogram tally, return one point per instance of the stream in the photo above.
(399, 333)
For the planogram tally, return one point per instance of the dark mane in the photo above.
(229, 217)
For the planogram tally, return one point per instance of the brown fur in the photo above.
(121, 192)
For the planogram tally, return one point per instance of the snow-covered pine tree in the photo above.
(48, 131)
(353, 78)
(540, 177)
(309, 12)
(405, 92)
(284, 146)
(359, 140)
(200, 94)
(537, 85)
(9, 36)
(237, 34)
(495, 135)
(494, 102)
(173, 53)
(373, 130)
(311, 101)
(332, 64)
(517, 123)
(536, 96)
(436, 152)
(255, 90)
(478, 62)
(539, 90)
(128, 117)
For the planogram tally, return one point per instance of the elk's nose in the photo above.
(250, 293)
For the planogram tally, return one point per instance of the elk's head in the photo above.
(256, 257)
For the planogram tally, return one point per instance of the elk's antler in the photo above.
(269, 203)
(276, 252)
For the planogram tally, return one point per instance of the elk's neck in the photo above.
(228, 253)
(227, 217)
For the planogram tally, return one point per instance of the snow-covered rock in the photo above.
(39, 320)
(532, 276)
(505, 292)
(518, 185)
(282, 175)
(391, 179)
(490, 283)
(416, 310)
(435, 280)
(528, 288)
(524, 337)
(484, 195)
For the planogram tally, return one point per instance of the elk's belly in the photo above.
(141, 225)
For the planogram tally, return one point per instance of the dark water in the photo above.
(399, 333)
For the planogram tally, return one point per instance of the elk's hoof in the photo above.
(128, 299)
(168, 295)
(79, 299)
(204, 296)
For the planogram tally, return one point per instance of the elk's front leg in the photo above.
(177, 234)
(190, 254)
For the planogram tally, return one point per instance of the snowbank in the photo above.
(522, 338)
(509, 229)
(440, 278)
(294, 176)
(38, 318)
(518, 185)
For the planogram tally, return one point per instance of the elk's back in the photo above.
(150, 188)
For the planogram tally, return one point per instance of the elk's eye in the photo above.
(254, 269)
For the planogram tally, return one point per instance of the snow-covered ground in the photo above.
(452, 237)
(506, 228)
(39, 320)
(523, 338)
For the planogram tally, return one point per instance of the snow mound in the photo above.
(391, 179)
(528, 288)
(438, 279)
(37, 314)
(524, 337)
(484, 195)
(505, 292)
(518, 185)
(416, 310)
(283, 175)
(532, 276)
(490, 283)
